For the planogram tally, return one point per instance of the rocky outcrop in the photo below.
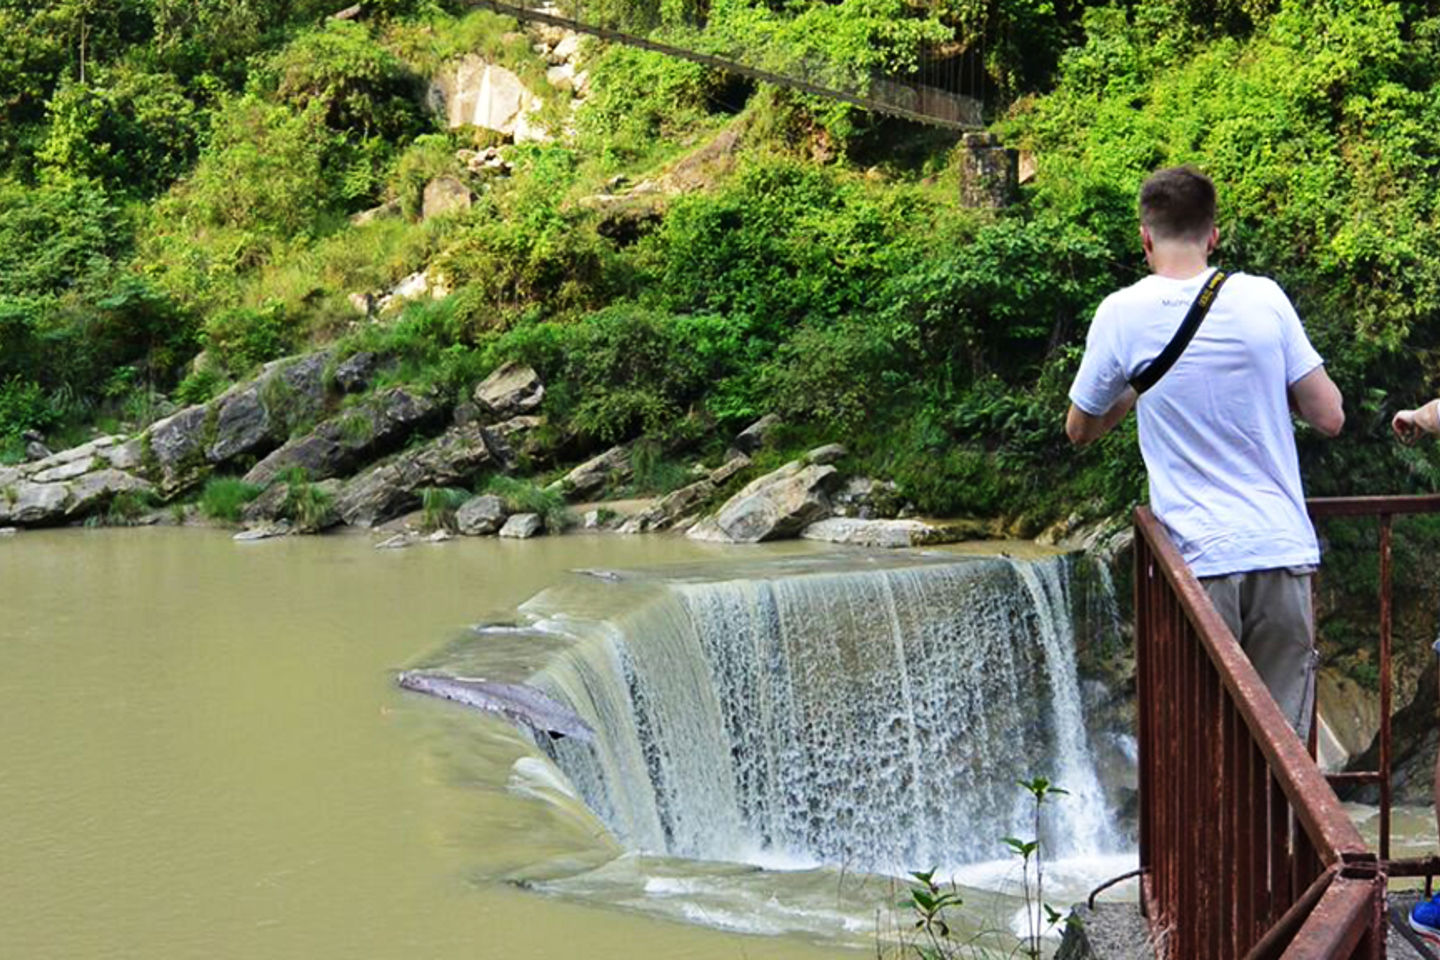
(772, 507)
(246, 420)
(362, 433)
(449, 460)
(66, 486)
(671, 509)
(511, 389)
(596, 475)
(480, 516)
(474, 92)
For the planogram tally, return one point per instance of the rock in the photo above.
(100, 487)
(444, 195)
(124, 456)
(386, 211)
(440, 536)
(64, 471)
(35, 450)
(510, 389)
(354, 373)
(522, 526)
(177, 443)
(830, 453)
(684, 501)
(561, 76)
(591, 520)
(884, 533)
(595, 475)
(263, 532)
(397, 542)
(31, 504)
(362, 303)
(267, 507)
(476, 93)
(753, 437)
(342, 443)
(772, 507)
(567, 49)
(722, 474)
(511, 438)
(867, 499)
(8, 532)
(241, 424)
(393, 487)
(481, 515)
(467, 412)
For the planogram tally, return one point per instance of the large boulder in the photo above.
(671, 509)
(772, 507)
(753, 437)
(592, 477)
(449, 460)
(177, 446)
(481, 515)
(477, 93)
(343, 443)
(510, 390)
(523, 526)
(33, 504)
(95, 490)
(444, 195)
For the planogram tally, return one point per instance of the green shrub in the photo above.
(524, 496)
(241, 338)
(134, 131)
(439, 505)
(306, 505)
(23, 406)
(224, 498)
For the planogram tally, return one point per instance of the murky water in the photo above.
(202, 754)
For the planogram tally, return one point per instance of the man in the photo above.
(1409, 426)
(1215, 430)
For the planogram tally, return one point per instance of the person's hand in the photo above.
(1405, 426)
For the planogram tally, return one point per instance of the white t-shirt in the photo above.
(1216, 433)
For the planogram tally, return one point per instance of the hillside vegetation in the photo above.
(180, 177)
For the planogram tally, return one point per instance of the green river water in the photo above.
(203, 755)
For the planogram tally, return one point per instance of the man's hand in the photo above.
(1083, 428)
(1410, 424)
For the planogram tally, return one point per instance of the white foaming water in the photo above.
(871, 717)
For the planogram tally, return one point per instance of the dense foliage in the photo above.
(182, 180)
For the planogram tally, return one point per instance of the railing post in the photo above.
(1385, 681)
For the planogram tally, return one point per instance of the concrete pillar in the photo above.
(989, 173)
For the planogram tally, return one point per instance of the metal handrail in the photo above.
(1240, 832)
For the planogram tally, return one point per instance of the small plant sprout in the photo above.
(1040, 790)
(928, 901)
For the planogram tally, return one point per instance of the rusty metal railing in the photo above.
(1244, 847)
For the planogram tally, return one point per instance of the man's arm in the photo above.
(1085, 428)
(1317, 400)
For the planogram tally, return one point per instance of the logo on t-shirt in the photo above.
(1174, 303)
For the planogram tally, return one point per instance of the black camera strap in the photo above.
(1161, 365)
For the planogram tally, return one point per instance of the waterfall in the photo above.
(870, 715)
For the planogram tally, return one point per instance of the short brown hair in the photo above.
(1178, 203)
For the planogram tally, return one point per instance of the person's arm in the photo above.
(1317, 400)
(1084, 428)
(1409, 424)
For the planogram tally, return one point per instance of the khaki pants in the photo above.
(1269, 612)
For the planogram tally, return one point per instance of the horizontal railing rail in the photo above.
(1243, 843)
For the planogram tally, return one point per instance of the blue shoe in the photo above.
(1425, 920)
